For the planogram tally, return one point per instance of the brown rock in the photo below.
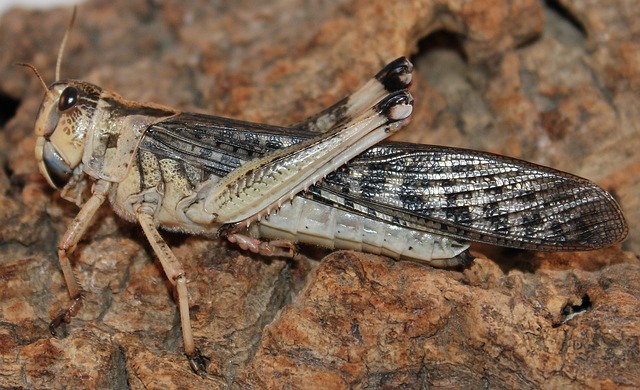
(390, 325)
(553, 85)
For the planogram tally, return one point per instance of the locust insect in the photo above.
(330, 180)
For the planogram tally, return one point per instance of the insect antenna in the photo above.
(33, 68)
(58, 60)
(64, 42)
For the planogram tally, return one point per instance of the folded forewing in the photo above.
(469, 195)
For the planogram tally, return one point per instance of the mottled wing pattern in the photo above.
(466, 194)
(215, 145)
(476, 196)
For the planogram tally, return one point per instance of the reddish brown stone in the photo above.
(518, 79)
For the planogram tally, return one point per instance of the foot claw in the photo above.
(198, 363)
(56, 322)
(65, 316)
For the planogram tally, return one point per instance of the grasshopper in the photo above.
(330, 180)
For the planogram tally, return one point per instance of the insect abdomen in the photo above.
(304, 220)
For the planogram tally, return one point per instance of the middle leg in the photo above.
(176, 275)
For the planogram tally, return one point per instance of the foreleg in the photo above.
(68, 244)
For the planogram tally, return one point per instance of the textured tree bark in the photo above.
(556, 83)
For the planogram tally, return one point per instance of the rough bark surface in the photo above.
(556, 83)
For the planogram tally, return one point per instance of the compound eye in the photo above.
(68, 98)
